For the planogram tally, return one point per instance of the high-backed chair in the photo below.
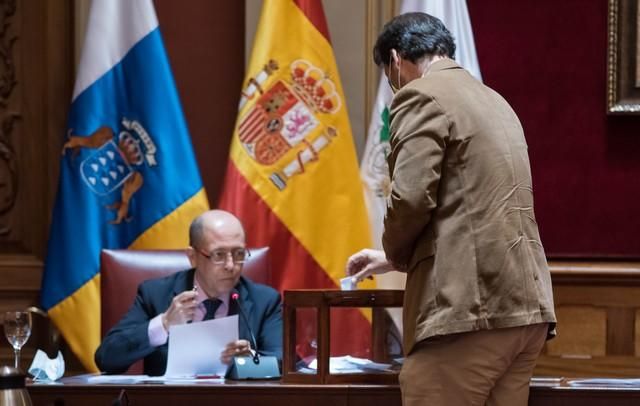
(121, 271)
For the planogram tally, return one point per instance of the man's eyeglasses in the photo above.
(219, 257)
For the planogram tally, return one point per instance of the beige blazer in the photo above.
(460, 215)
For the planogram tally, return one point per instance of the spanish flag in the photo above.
(128, 175)
(292, 176)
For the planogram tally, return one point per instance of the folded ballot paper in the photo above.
(348, 283)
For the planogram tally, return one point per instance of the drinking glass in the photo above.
(17, 329)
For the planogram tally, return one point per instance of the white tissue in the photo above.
(44, 368)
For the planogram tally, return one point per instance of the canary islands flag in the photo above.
(128, 175)
(292, 176)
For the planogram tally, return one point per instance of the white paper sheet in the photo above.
(116, 379)
(195, 348)
(351, 365)
(133, 379)
(612, 382)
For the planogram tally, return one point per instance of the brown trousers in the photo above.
(487, 367)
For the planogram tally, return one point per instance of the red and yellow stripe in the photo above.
(319, 219)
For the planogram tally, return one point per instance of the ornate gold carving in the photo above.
(623, 92)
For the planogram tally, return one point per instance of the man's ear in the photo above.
(395, 56)
(191, 254)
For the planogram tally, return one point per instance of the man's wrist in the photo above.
(165, 323)
(157, 333)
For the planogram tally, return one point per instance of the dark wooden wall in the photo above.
(35, 89)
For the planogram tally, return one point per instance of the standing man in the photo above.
(478, 302)
(217, 253)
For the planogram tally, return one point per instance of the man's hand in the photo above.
(366, 263)
(239, 347)
(181, 310)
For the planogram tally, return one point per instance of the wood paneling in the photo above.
(73, 392)
(597, 306)
(621, 330)
(592, 324)
(637, 333)
(35, 88)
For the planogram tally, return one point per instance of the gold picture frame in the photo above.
(623, 63)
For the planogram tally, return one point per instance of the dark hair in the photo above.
(413, 35)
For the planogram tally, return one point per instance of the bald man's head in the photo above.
(214, 221)
(217, 251)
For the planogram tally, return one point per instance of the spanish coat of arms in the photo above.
(284, 116)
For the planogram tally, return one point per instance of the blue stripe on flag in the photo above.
(140, 88)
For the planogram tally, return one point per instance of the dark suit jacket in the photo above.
(128, 341)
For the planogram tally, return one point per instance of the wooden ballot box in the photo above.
(322, 304)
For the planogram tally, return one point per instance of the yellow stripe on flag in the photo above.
(82, 328)
(172, 231)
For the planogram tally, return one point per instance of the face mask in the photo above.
(394, 89)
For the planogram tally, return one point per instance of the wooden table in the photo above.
(75, 391)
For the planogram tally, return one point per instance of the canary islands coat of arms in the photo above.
(115, 163)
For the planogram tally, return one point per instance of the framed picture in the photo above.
(623, 64)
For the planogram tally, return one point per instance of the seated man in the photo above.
(217, 253)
